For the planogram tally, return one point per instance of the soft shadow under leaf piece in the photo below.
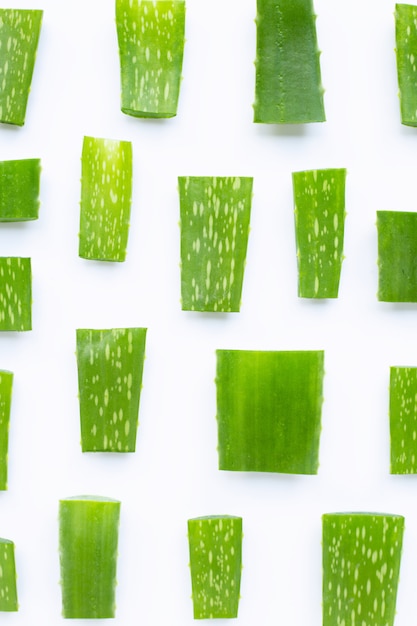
(215, 544)
(361, 563)
(19, 190)
(6, 386)
(15, 293)
(269, 410)
(403, 420)
(406, 55)
(8, 585)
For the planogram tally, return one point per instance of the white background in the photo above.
(173, 475)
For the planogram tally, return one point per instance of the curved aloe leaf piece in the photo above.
(19, 36)
(110, 367)
(215, 544)
(361, 563)
(406, 55)
(8, 585)
(19, 190)
(6, 385)
(319, 199)
(215, 216)
(403, 420)
(151, 47)
(269, 410)
(288, 87)
(88, 539)
(15, 293)
(106, 194)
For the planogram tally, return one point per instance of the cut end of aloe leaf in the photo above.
(8, 584)
(403, 420)
(15, 294)
(406, 56)
(19, 190)
(6, 385)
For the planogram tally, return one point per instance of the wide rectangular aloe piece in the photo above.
(269, 410)
(19, 190)
(8, 584)
(403, 420)
(15, 293)
(214, 218)
(406, 55)
(151, 46)
(19, 36)
(361, 564)
(88, 540)
(319, 209)
(106, 195)
(288, 87)
(110, 367)
(215, 544)
(6, 386)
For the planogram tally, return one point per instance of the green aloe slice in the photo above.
(361, 563)
(8, 585)
(19, 36)
(19, 190)
(288, 87)
(88, 539)
(269, 410)
(319, 199)
(215, 544)
(215, 216)
(403, 420)
(15, 293)
(151, 47)
(6, 385)
(406, 55)
(110, 367)
(397, 253)
(106, 194)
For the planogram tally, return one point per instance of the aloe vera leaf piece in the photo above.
(110, 367)
(19, 190)
(215, 216)
(319, 199)
(8, 585)
(19, 36)
(361, 563)
(151, 48)
(403, 420)
(88, 539)
(397, 253)
(269, 410)
(15, 293)
(215, 544)
(106, 194)
(288, 87)
(406, 56)
(6, 385)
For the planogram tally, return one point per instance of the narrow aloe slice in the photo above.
(8, 586)
(269, 410)
(88, 538)
(319, 199)
(403, 420)
(151, 46)
(361, 563)
(15, 293)
(215, 216)
(19, 36)
(406, 54)
(288, 87)
(106, 194)
(215, 544)
(110, 367)
(6, 385)
(397, 253)
(19, 190)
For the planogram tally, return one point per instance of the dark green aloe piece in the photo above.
(215, 545)
(106, 194)
(6, 385)
(19, 36)
(151, 46)
(406, 54)
(15, 293)
(361, 564)
(403, 420)
(19, 190)
(269, 410)
(319, 199)
(8, 586)
(110, 367)
(215, 216)
(88, 539)
(288, 77)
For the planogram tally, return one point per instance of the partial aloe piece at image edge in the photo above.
(19, 190)
(319, 200)
(88, 539)
(214, 220)
(6, 386)
(406, 55)
(288, 87)
(151, 47)
(15, 294)
(8, 585)
(19, 36)
(403, 420)
(361, 564)
(110, 366)
(106, 194)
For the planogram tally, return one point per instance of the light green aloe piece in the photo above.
(288, 87)
(106, 195)
(269, 410)
(6, 385)
(406, 55)
(151, 47)
(319, 201)
(403, 419)
(215, 217)
(88, 540)
(15, 293)
(110, 367)
(361, 564)
(215, 544)
(8, 584)
(19, 190)
(19, 36)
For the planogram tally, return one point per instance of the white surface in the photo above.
(174, 475)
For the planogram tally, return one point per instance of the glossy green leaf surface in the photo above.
(15, 293)
(19, 190)
(406, 55)
(8, 584)
(403, 420)
(6, 386)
